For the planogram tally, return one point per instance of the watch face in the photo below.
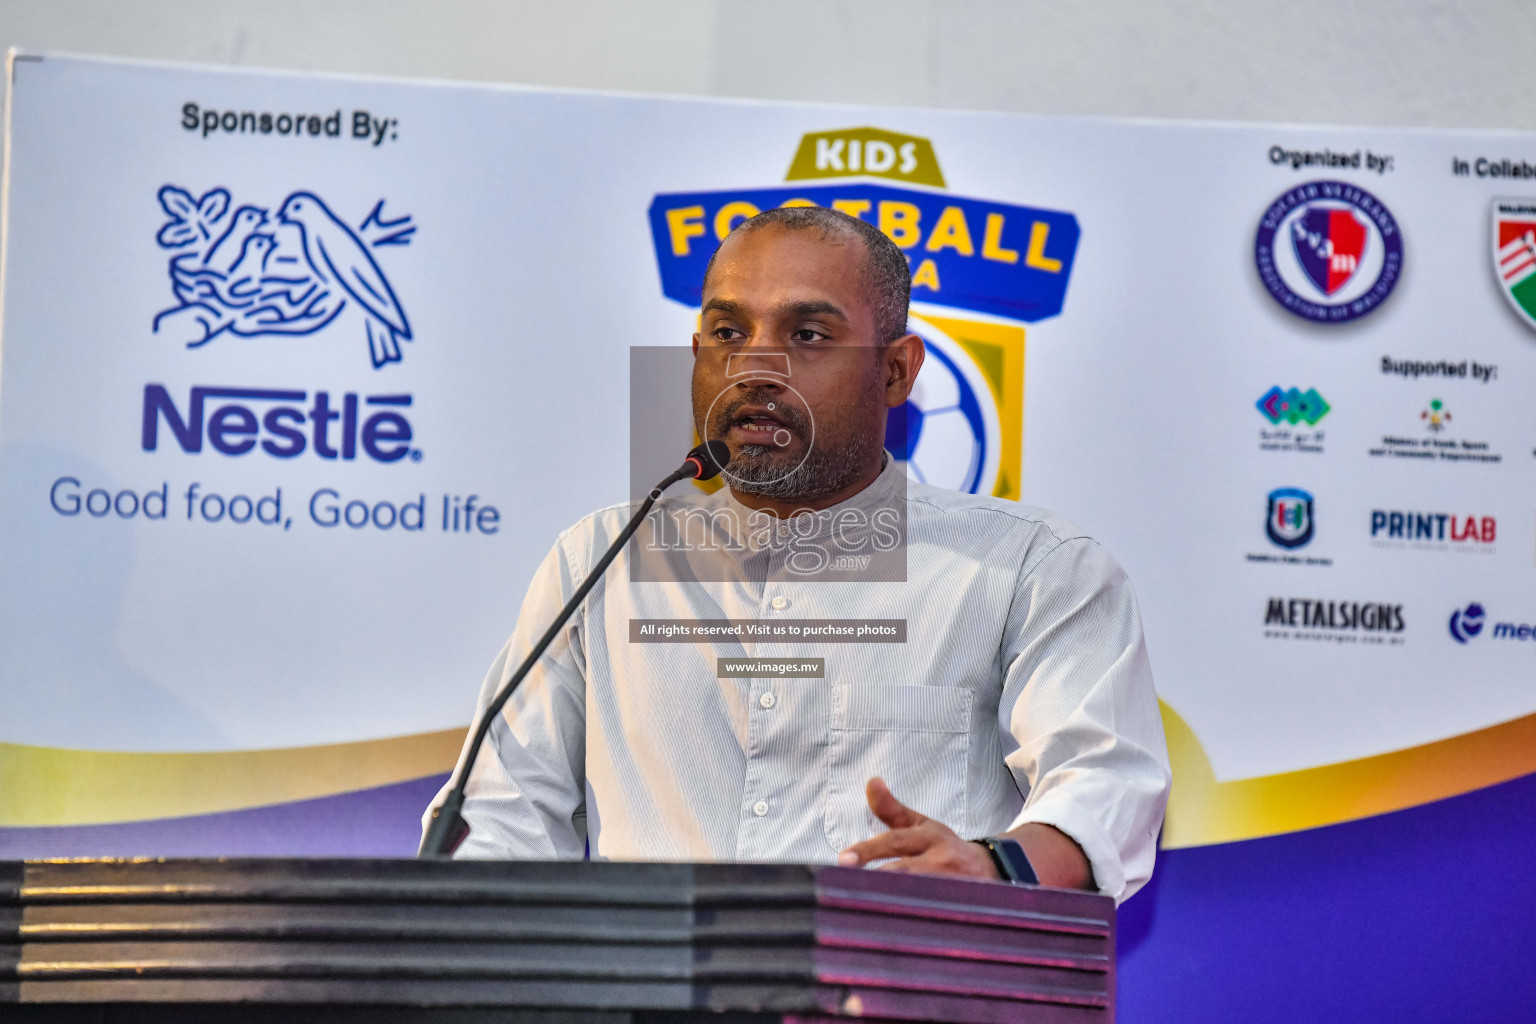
(1013, 853)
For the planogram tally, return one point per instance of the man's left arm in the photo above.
(1083, 739)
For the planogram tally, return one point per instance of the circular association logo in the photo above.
(947, 433)
(1329, 251)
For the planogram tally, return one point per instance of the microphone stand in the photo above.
(448, 828)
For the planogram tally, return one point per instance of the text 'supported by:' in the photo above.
(833, 631)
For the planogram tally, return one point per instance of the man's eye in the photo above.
(727, 334)
(806, 335)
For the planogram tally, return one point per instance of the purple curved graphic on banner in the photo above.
(382, 822)
(1419, 915)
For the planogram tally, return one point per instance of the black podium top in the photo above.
(550, 942)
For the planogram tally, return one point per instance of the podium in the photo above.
(541, 943)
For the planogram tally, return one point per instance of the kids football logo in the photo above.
(1329, 251)
(963, 426)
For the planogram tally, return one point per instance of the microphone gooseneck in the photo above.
(448, 828)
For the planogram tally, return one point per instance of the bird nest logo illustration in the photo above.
(250, 272)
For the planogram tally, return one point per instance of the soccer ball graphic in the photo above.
(947, 432)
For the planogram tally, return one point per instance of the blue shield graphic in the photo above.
(1289, 520)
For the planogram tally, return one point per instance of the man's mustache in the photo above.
(794, 418)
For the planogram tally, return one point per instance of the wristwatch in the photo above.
(1009, 859)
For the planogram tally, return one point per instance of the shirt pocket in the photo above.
(916, 738)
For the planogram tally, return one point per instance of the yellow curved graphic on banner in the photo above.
(1202, 811)
(46, 786)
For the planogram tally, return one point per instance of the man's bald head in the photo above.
(885, 273)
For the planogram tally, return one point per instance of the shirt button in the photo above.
(780, 603)
(767, 701)
(760, 808)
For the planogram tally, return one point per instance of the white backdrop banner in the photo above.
(302, 374)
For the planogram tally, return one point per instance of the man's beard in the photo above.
(760, 469)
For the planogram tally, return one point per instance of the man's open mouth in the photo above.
(759, 426)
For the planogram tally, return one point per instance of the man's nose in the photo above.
(759, 360)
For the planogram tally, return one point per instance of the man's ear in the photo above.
(695, 343)
(900, 361)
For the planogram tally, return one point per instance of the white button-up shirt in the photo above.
(1022, 693)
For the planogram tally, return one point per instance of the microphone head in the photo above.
(709, 458)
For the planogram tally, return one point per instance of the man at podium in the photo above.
(1014, 731)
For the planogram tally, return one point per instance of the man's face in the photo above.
(787, 369)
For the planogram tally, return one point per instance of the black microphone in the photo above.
(448, 828)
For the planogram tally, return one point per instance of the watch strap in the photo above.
(1008, 857)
